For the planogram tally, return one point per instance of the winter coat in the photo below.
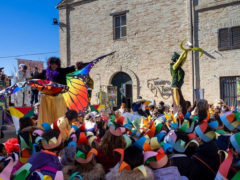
(182, 162)
(96, 173)
(168, 173)
(205, 162)
(114, 174)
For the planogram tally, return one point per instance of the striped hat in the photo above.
(201, 132)
(231, 120)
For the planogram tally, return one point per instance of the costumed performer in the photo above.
(53, 107)
(178, 75)
(20, 98)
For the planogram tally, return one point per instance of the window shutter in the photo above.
(235, 37)
(224, 39)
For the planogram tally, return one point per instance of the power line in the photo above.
(28, 55)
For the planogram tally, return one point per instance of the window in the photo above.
(229, 38)
(120, 26)
(228, 90)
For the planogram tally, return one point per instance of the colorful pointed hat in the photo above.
(52, 143)
(126, 166)
(83, 159)
(82, 138)
(187, 126)
(200, 130)
(235, 140)
(178, 145)
(151, 131)
(127, 140)
(231, 120)
(118, 131)
(156, 159)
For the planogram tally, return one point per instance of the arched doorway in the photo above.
(124, 88)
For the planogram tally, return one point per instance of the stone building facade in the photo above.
(209, 17)
(154, 30)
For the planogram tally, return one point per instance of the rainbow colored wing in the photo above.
(85, 71)
(5, 93)
(48, 87)
(77, 96)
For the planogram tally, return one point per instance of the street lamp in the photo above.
(55, 21)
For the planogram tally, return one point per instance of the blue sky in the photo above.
(26, 28)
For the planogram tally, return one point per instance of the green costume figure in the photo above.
(178, 74)
(177, 82)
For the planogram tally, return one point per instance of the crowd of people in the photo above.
(144, 142)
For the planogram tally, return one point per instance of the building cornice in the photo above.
(215, 5)
(65, 3)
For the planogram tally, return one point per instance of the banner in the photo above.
(112, 95)
(238, 90)
(19, 112)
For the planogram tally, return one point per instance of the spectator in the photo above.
(34, 92)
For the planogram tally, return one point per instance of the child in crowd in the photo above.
(164, 146)
(181, 159)
(90, 122)
(34, 119)
(106, 155)
(46, 161)
(84, 164)
(206, 160)
(133, 161)
(162, 168)
(26, 140)
(64, 124)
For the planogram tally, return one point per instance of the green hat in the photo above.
(235, 140)
(175, 56)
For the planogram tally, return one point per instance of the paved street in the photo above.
(8, 133)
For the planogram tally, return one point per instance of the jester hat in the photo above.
(156, 159)
(82, 158)
(52, 143)
(231, 120)
(178, 144)
(148, 144)
(201, 132)
(125, 166)
(119, 131)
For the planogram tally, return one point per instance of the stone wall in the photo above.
(216, 63)
(155, 29)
